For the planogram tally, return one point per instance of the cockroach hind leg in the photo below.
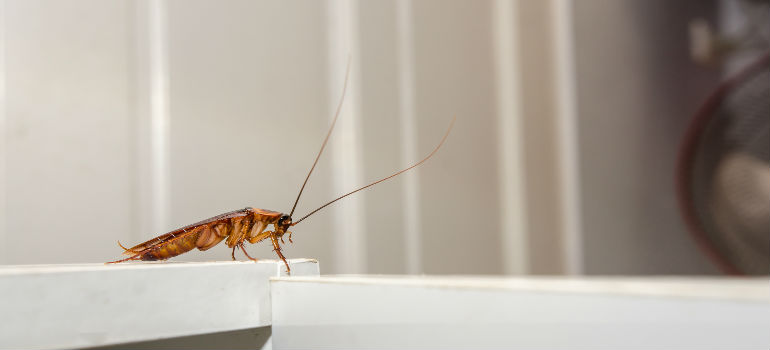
(247, 254)
(135, 257)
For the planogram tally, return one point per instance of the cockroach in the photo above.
(248, 224)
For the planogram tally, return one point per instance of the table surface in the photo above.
(451, 312)
(87, 305)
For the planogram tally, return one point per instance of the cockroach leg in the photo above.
(290, 241)
(247, 254)
(233, 254)
(280, 255)
(135, 257)
(277, 250)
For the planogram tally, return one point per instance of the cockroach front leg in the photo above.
(277, 250)
(290, 241)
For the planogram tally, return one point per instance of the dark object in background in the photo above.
(723, 175)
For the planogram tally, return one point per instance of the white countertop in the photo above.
(74, 306)
(463, 312)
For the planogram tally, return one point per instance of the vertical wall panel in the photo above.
(454, 69)
(541, 170)
(382, 137)
(345, 153)
(637, 87)
(513, 192)
(568, 146)
(68, 130)
(3, 142)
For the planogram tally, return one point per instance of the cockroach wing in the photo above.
(201, 227)
(266, 215)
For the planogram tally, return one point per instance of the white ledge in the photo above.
(749, 289)
(346, 312)
(74, 306)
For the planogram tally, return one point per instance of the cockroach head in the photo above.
(284, 222)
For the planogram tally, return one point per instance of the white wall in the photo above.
(67, 140)
(126, 119)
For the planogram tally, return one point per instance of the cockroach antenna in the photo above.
(323, 145)
(384, 178)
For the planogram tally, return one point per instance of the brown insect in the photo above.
(243, 225)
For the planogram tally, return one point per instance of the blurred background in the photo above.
(122, 120)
